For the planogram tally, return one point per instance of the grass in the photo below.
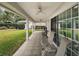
(11, 40)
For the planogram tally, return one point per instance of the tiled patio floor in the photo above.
(31, 47)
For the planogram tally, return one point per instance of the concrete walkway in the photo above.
(31, 47)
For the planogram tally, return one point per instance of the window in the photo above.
(64, 22)
(74, 29)
(72, 49)
(60, 27)
(77, 28)
(65, 27)
(69, 13)
(69, 27)
(60, 17)
(75, 10)
(64, 15)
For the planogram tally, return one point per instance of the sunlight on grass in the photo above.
(11, 40)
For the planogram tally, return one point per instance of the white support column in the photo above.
(27, 29)
(33, 27)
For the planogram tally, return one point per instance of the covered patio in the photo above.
(39, 14)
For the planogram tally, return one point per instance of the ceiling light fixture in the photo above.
(39, 8)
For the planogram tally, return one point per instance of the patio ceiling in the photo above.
(40, 11)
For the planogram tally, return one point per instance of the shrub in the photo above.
(11, 27)
(3, 27)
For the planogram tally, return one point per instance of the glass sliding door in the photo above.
(68, 27)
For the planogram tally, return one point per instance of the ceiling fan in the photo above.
(40, 10)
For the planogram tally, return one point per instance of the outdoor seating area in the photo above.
(39, 28)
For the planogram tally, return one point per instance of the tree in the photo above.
(8, 19)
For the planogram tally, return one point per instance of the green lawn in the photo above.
(11, 40)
